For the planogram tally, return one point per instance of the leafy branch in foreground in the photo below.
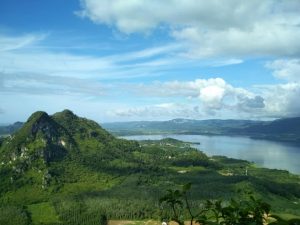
(178, 201)
(247, 211)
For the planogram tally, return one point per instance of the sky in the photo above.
(116, 60)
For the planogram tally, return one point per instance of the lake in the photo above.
(269, 154)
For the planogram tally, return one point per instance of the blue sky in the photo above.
(115, 60)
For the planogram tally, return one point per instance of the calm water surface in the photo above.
(264, 153)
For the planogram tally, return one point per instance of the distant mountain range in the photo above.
(287, 129)
(182, 126)
(9, 129)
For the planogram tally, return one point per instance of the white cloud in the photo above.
(18, 57)
(59, 64)
(281, 100)
(138, 16)
(227, 62)
(161, 111)
(254, 105)
(208, 28)
(201, 98)
(29, 71)
(262, 39)
(41, 84)
(8, 43)
(211, 92)
(286, 69)
(215, 98)
(148, 53)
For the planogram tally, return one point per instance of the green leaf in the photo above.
(186, 187)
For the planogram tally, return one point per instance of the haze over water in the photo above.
(269, 154)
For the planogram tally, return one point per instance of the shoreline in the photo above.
(263, 161)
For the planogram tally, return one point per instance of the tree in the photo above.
(246, 211)
(178, 201)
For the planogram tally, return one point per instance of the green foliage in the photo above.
(86, 174)
(79, 216)
(243, 211)
(286, 221)
(13, 215)
(42, 213)
(78, 213)
(235, 212)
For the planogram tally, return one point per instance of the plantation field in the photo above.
(43, 213)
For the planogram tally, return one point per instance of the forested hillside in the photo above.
(63, 169)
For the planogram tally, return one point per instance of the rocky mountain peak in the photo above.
(41, 122)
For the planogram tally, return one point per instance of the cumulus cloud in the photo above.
(134, 16)
(215, 98)
(286, 69)
(213, 92)
(262, 39)
(177, 88)
(202, 98)
(281, 100)
(208, 28)
(251, 104)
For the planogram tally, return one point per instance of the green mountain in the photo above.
(64, 169)
(48, 143)
(287, 129)
(41, 137)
